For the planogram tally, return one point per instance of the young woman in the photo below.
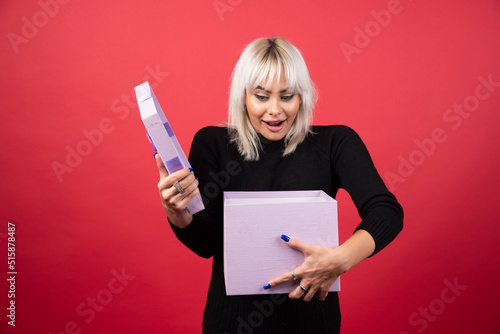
(269, 144)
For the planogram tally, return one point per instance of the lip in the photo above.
(275, 125)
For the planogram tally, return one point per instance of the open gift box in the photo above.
(254, 252)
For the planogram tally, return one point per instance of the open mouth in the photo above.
(275, 126)
(274, 123)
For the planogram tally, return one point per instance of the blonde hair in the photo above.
(269, 58)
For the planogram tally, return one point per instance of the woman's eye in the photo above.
(287, 97)
(260, 97)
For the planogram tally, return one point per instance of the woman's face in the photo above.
(272, 110)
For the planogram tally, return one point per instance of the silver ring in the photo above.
(293, 276)
(302, 288)
(179, 188)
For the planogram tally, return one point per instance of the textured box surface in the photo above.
(253, 224)
(162, 137)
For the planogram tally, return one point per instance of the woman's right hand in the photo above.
(173, 201)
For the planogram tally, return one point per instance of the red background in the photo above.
(66, 74)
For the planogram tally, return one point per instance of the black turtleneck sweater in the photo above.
(333, 157)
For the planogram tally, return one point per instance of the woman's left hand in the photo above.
(321, 267)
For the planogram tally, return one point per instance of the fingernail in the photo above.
(197, 179)
(154, 154)
(285, 237)
(191, 170)
(267, 286)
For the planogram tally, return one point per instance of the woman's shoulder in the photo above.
(212, 132)
(336, 139)
(336, 132)
(211, 138)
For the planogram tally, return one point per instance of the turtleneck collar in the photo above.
(265, 141)
(272, 146)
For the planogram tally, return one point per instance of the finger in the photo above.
(321, 295)
(189, 184)
(168, 180)
(309, 294)
(302, 291)
(188, 198)
(318, 291)
(286, 277)
(296, 293)
(161, 168)
(294, 243)
(174, 201)
(184, 178)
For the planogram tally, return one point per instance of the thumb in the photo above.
(161, 168)
(294, 243)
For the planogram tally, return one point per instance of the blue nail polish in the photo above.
(267, 286)
(191, 170)
(285, 237)
(154, 154)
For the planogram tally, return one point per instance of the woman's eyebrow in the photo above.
(265, 90)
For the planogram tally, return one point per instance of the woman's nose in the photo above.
(274, 107)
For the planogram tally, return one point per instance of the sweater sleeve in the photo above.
(381, 214)
(204, 235)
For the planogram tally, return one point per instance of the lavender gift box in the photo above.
(162, 137)
(253, 224)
